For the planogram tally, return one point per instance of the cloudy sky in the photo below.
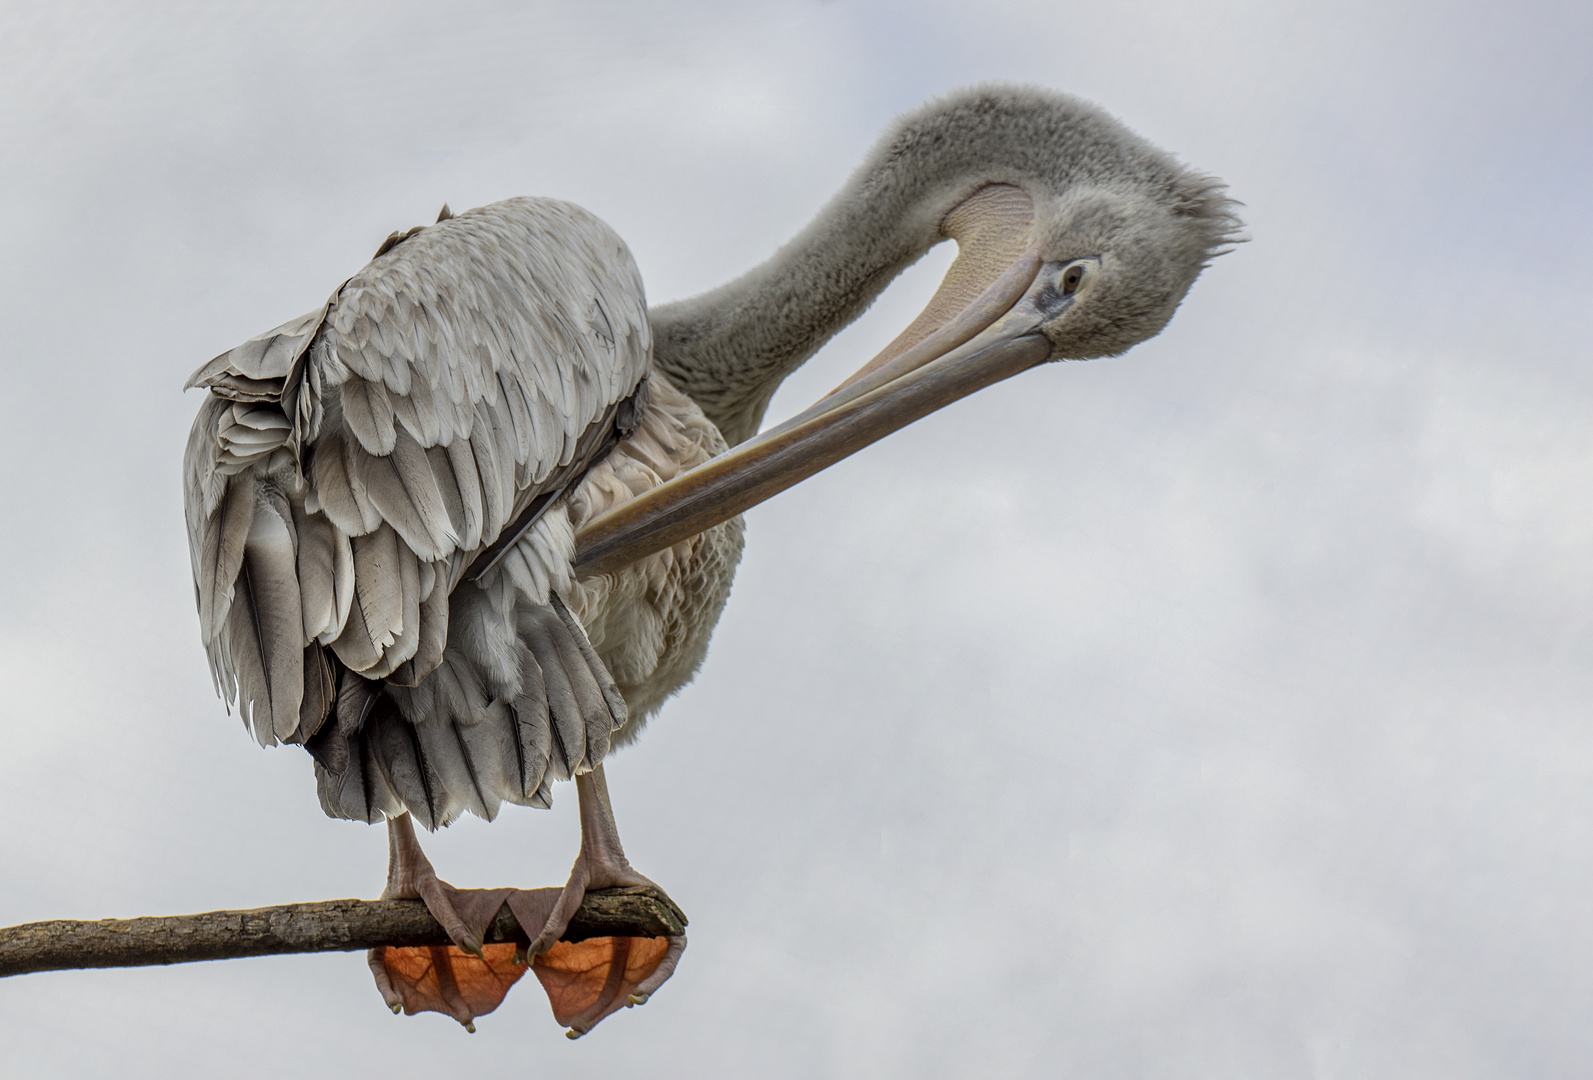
(1219, 710)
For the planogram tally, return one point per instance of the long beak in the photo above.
(993, 338)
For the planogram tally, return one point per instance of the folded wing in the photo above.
(350, 469)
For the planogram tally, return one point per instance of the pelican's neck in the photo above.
(730, 348)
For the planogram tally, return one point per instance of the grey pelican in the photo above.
(460, 531)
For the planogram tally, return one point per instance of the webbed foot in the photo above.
(588, 980)
(463, 980)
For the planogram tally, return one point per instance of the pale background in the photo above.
(1220, 710)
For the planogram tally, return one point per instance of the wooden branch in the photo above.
(326, 926)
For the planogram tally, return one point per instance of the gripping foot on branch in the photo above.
(588, 980)
(585, 981)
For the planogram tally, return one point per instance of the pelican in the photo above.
(460, 531)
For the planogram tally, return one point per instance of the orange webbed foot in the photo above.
(446, 978)
(589, 980)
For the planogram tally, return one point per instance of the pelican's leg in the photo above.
(587, 980)
(464, 980)
(410, 876)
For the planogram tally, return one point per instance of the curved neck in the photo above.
(729, 349)
(1085, 176)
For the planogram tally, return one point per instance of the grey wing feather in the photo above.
(261, 360)
(401, 428)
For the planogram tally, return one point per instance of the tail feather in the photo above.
(320, 692)
(450, 744)
(613, 700)
(490, 750)
(395, 746)
(582, 719)
(533, 733)
(458, 788)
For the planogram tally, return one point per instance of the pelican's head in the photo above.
(1117, 261)
(1071, 230)
(1066, 222)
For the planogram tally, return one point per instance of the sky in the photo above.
(1216, 710)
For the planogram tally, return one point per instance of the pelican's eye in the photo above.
(1068, 282)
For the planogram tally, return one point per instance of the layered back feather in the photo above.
(353, 473)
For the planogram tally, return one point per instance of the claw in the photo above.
(640, 999)
(573, 1034)
(471, 1027)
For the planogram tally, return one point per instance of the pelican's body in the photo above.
(464, 529)
(429, 414)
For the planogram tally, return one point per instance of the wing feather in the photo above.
(404, 492)
(417, 412)
(453, 503)
(317, 568)
(353, 458)
(376, 615)
(221, 556)
(365, 358)
(266, 633)
(332, 491)
(342, 586)
(262, 359)
(369, 414)
(519, 414)
(406, 635)
(376, 447)
(495, 463)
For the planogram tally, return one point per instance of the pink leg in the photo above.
(410, 876)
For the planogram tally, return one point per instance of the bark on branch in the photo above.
(325, 926)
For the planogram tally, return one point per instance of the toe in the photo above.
(376, 958)
(543, 914)
(648, 982)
